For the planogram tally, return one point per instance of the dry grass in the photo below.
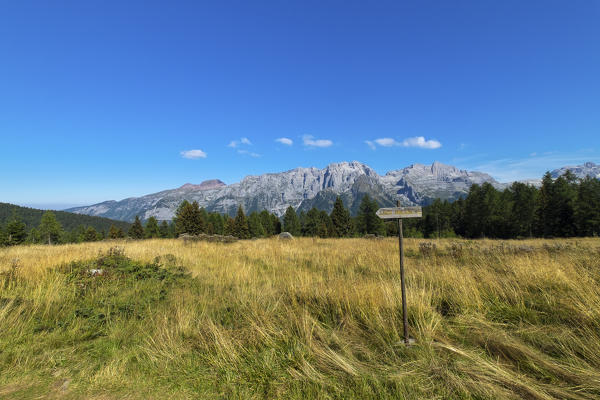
(310, 318)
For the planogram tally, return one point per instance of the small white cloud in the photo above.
(387, 142)
(370, 144)
(249, 153)
(533, 154)
(236, 143)
(419, 141)
(284, 140)
(193, 154)
(310, 141)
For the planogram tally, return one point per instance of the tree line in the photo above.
(562, 207)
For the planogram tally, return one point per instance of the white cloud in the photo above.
(193, 154)
(417, 141)
(387, 142)
(370, 144)
(284, 140)
(310, 141)
(251, 154)
(236, 143)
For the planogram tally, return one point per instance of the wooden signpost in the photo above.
(399, 213)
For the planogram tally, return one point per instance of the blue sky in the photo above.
(111, 99)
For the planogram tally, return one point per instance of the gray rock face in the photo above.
(580, 171)
(301, 187)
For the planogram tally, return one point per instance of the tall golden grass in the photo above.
(315, 318)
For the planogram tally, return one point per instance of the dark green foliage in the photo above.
(229, 228)
(151, 230)
(587, 207)
(255, 225)
(90, 235)
(240, 225)
(340, 219)
(163, 230)
(189, 219)
(367, 220)
(16, 232)
(115, 233)
(69, 221)
(137, 230)
(291, 222)
(50, 229)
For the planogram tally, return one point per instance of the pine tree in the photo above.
(115, 233)
(151, 230)
(276, 224)
(229, 228)
(50, 229)
(291, 223)
(267, 223)
(524, 200)
(16, 232)
(217, 223)
(241, 229)
(311, 223)
(90, 235)
(367, 219)
(137, 230)
(255, 226)
(3, 238)
(587, 207)
(188, 219)
(164, 229)
(340, 217)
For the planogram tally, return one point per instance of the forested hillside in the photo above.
(32, 217)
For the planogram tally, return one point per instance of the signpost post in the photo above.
(399, 213)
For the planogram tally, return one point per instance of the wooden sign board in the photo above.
(400, 212)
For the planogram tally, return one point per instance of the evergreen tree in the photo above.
(276, 223)
(151, 230)
(163, 230)
(241, 229)
(267, 223)
(50, 229)
(325, 227)
(16, 232)
(291, 223)
(367, 219)
(90, 234)
(188, 219)
(524, 200)
(311, 223)
(137, 230)
(217, 223)
(229, 229)
(340, 218)
(587, 207)
(3, 238)
(255, 225)
(115, 233)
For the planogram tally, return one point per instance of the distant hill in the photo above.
(69, 221)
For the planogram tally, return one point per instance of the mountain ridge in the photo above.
(305, 187)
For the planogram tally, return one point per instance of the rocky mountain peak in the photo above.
(206, 185)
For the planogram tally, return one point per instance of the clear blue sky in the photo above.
(101, 99)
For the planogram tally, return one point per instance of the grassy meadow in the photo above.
(307, 318)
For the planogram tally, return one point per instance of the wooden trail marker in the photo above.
(399, 213)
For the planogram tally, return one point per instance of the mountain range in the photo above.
(304, 188)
